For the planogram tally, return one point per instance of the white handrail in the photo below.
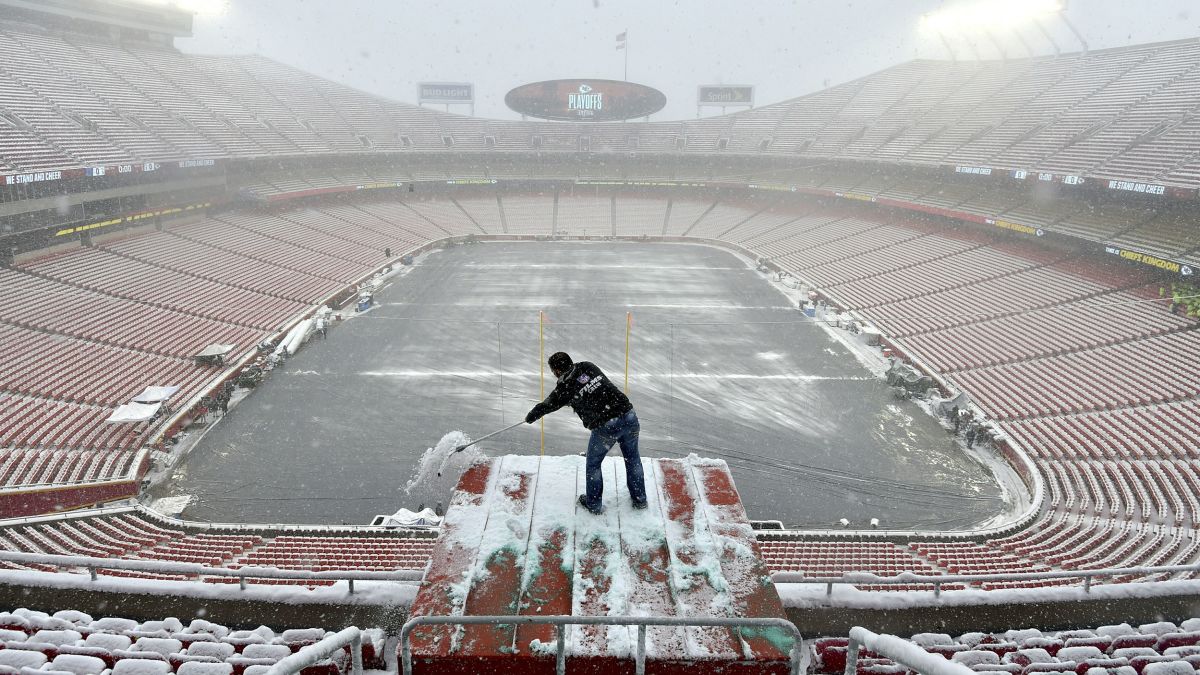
(561, 622)
(92, 564)
(939, 580)
(314, 653)
(901, 651)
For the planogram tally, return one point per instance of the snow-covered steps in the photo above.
(516, 542)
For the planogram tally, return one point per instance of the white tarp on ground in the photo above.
(216, 350)
(405, 518)
(297, 336)
(134, 412)
(155, 394)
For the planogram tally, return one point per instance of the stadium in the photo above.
(916, 355)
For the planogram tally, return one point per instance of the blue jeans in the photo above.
(623, 430)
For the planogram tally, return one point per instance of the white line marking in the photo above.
(416, 374)
(585, 266)
(542, 303)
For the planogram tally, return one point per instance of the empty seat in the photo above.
(22, 658)
(57, 637)
(163, 646)
(263, 651)
(218, 650)
(1169, 668)
(80, 665)
(197, 668)
(110, 641)
(114, 625)
(141, 667)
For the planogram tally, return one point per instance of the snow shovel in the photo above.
(464, 446)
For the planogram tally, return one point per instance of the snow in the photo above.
(1131, 652)
(195, 668)
(169, 625)
(1120, 629)
(1169, 668)
(1119, 670)
(974, 658)
(57, 637)
(268, 651)
(1158, 628)
(911, 655)
(803, 596)
(1025, 657)
(164, 646)
(303, 635)
(44, 671)
(932, 639)
(426, 517)
(171, 506)
(141, 667)
(202, 626)
(530, 500)
(217, 650)
(75, 617)
(426, 487)
(108, 641)
(80, 665)
(114, 625)
(22, 658)
(385, 593)
(1079, 653)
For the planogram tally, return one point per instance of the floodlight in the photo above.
(983, 15)
(204, 7)
(201, 7)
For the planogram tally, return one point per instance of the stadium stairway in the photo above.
(515, 541)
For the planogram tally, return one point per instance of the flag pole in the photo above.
(627, 54)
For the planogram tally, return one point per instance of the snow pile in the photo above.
(426, 488)
(405, 518)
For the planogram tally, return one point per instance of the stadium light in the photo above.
(200, 7)
(988, 15)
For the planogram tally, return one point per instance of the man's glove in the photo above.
(529, 418)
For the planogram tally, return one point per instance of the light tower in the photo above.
(988, 19)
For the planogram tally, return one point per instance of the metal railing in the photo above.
(561, 622)
(327, 647)
(196, 569)
(940, 580)
(129, 477)
(901, 651)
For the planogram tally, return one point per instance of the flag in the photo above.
(621, 39)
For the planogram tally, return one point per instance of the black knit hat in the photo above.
(560, 362)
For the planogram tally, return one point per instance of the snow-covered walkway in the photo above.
(515, 542)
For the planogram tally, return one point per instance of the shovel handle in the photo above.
(464, 446)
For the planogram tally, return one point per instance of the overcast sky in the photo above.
(785, 48)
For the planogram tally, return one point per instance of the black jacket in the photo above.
(590, 394)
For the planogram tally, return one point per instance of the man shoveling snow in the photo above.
(606, 411)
